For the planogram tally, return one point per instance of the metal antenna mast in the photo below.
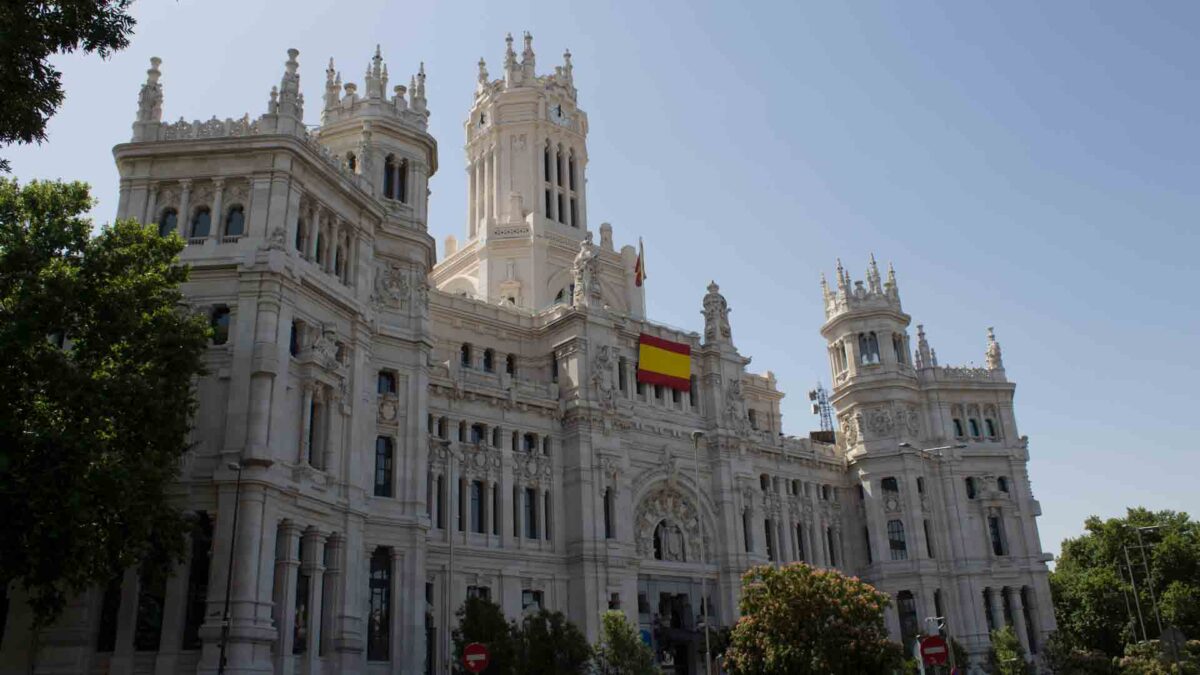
(821, 407)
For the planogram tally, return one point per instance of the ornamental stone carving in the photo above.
(879, 422)
(602, 376)
(667, 506)
(531, 468)
(392, 287)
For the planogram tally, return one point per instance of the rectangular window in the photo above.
(770, 539)
(219, 322)
(516, 511)
(608, 515)
(380, 596)
(974, 427)
(549, 207)
(929, 541)
(460, 505)
(477, 521)
(747, 543)
(996, 532)
(867, 545)
(800, 544)
(197, 585)
(300, 630)
(622, 374)
(386, 383)
(958, 428)
(574, 212)
(531, 600)
(481, 592)
(383, 466)
(531, 529)
(549, 511)
(495, 510)
(896, 542)
(441, 501)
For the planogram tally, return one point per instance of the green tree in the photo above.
(30, 32)
(1093, 597)
(96, 369)
(1007, 657)
(798, 620)
(547, 643)
(621, 650)
(483, 621)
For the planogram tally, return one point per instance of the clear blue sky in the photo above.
(1028, 166)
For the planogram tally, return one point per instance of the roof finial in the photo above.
(994, 359)
(527, 57)
(483, 73)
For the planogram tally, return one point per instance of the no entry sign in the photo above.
(934, 650)
(475, 657)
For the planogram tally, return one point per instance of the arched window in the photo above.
(389, 177)
(235, 221)
(510, 364)
(991, 427)
(898, 347)
(464, 355)
(379, 620)
(168, 222)
(571, 171)
(958, 428)
(974, 427)
(896, 542)
(201, 223)
(546, 164)
(558, 167)
(489, 361)
(383, 466)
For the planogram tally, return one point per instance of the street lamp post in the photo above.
(696, 436)
(237, 502)
(936, 453)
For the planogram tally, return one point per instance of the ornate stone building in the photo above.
(411, 432)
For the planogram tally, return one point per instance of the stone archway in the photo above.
(665, 513)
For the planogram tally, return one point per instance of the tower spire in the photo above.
(994, 359)
(150, 98)
(528, 59)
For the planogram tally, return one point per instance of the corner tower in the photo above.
(526, 152)
(875, 388)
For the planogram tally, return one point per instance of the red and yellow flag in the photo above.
(664, 362)
(639, 268)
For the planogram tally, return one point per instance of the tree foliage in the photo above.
(799, 620)
(96, 370)
(1093, 596)
(1006, 656)
(547, 643)
(483, 621)
(30, 32)
(621, 650)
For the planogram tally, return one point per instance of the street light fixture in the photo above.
(237, 502)
(696, 436)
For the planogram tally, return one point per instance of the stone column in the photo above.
(1018, 616)
(331, 587)
(287, 566)
(184, 220)
(314, 228)
(314, 566)
(997, 607)
(397, 610)
(122, 656)
(152, 204)
(174, 612)
(217, 222)
(496, 198)
(472, 218)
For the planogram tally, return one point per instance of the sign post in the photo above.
(934, 651)
(476, 657)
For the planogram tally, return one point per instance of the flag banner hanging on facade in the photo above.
(639, 268)
(664, 362)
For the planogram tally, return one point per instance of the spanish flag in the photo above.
(664, 362)
(639, 268)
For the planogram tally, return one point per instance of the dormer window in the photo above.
(868, 348)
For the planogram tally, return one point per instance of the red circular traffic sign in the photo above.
(934, 650)
(475, 657)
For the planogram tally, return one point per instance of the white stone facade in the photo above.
(412, 431)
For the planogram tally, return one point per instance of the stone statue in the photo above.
(586, 270)
(716, 316)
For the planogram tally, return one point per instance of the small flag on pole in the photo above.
(639, 268)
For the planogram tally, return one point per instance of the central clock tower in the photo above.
(526, 186)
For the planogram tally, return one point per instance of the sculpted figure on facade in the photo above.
(586, 271)
(602, 376)
(716, 316)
